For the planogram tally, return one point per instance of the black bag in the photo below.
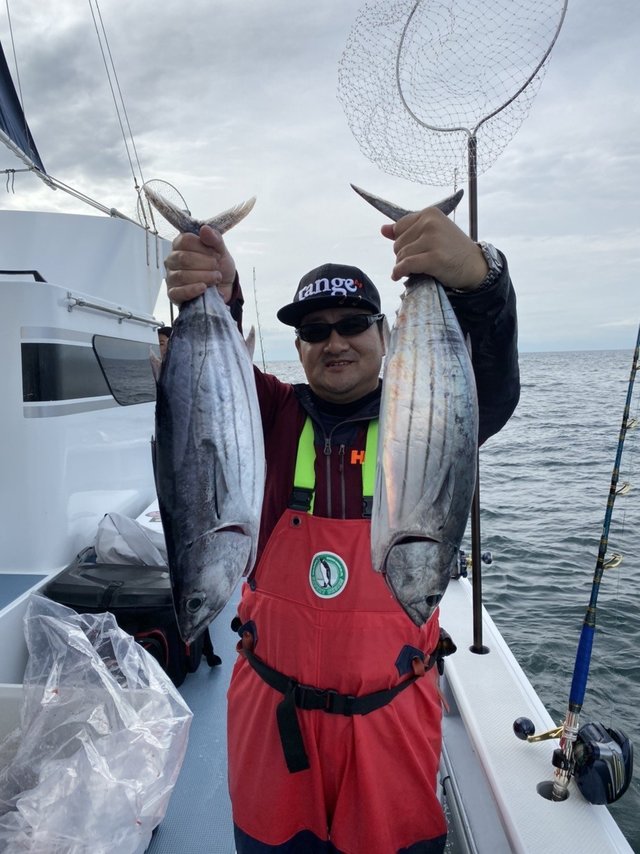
(139, 597)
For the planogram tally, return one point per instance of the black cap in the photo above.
(328, 286)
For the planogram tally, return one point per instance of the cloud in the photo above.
(228, 100)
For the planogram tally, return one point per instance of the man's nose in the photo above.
(335, 341)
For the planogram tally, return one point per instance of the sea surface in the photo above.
(544, 484)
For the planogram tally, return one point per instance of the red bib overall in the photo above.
(316, 611)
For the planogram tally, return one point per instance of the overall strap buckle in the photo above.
(310, 698)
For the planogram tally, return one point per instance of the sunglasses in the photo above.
(313, 333)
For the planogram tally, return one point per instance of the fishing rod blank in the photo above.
(563, 756)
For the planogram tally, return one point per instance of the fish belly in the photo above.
(210, 466)
(427, 451)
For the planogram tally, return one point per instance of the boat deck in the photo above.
(198, 818)
(489, 777)
(15, 584)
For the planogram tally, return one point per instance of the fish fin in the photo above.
(227, 219)
(467, 341)
(250, 341)
(395, 213)
(156, 364)
(182, 220)
(386, 334)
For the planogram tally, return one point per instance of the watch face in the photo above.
(492, 257)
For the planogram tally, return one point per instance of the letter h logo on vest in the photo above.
(357, 458)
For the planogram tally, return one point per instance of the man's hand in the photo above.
(428, 242)
(196, 263)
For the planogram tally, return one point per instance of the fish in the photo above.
(209, 449)
(427, 442)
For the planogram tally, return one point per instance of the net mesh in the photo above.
(148, 217)
(418, 79)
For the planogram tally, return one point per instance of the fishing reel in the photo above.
(465, 563)
(601, 762)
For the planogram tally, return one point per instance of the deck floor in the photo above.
(14, 584)
(198, 819)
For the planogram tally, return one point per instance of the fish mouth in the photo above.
(417, 570)
(421, 611)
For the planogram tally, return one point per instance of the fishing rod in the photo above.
(600, 758)
(255, 297)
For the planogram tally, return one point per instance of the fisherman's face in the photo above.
(162, 343)
(342, 369)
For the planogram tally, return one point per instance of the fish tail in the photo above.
(180, 219)
(395, 212)
(185, 223)
(227, 219)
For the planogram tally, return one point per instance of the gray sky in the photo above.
(233, 98)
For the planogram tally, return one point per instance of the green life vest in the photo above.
(304, 478)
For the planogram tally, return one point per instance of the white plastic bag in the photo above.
(120, 539)
(102, 739)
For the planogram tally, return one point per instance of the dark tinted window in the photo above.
(60, 372)
(113, 366)
(127, 368)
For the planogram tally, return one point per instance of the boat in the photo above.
(77, 391)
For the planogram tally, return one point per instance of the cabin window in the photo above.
(60, 372)
(127, 368)
(112, 367)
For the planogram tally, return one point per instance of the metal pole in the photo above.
(476, 549)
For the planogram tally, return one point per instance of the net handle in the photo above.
(470, 132)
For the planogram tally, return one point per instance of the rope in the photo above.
(112, 77)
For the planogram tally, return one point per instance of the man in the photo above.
(334, 714)
(164, 333)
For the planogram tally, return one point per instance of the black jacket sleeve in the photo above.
(488, 317)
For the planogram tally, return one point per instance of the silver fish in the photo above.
(209, 450)
(428, 441)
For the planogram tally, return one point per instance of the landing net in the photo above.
(417, 80)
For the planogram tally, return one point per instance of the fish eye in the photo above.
(194, 604)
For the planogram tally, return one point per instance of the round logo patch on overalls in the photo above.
(328, 574)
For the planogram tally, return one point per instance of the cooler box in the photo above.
(140, 599)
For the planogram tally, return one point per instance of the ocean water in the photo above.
(544, 484)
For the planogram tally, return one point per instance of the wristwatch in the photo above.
(494, 262)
